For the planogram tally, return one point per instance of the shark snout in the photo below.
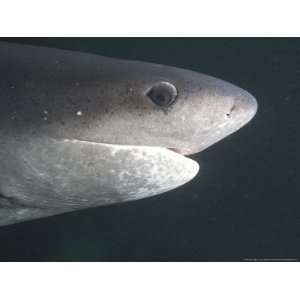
(243, 109)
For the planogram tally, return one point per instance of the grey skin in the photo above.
(80, 130)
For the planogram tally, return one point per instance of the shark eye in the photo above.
(163, 94)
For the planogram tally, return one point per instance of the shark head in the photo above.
(82, 130)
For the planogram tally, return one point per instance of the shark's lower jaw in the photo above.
(141, 159)
(134, 172)
(66, 175)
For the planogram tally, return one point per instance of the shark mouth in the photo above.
(183, 152)
(179, 151)
(176, 150)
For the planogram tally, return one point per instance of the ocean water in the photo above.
(245, 202)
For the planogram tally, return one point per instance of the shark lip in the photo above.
(175, 153)
(179, 151)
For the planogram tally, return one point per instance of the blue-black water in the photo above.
(244, 204)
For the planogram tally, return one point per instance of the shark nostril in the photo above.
(228, 115)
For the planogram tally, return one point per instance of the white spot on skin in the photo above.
(114, 151)
(79, 113)
(45, 115)
(22, 211)
(122, 175)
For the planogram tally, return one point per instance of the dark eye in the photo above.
(163, 94)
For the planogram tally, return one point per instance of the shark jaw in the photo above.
(172, 161)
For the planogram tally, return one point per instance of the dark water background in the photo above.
(244, 204)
